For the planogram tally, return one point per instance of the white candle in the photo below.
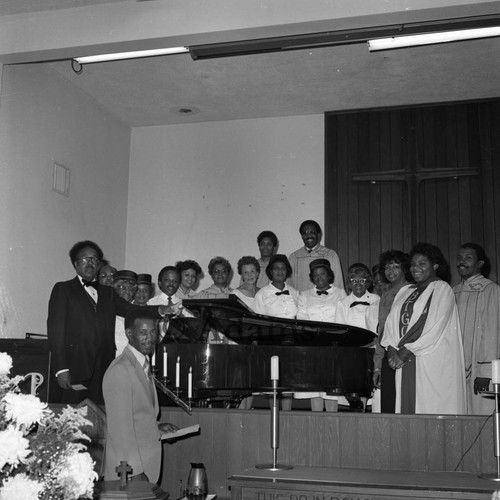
(275, 368)
(178, 372)
(190, 382)
(495, 371)
(165, 357)
(153, 359)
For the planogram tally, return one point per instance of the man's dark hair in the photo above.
(270, 235)
(310, 223)
(166, 269)
(481, 255)
(78, 247)
(139, 314)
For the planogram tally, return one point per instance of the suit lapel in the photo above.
(148, 387)
(83, 297)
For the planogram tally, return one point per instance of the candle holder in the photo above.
(174, 397)
(496, 433)
(165, 380)
(275, 433)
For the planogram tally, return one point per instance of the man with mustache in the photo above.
(310, 231)
(478, 302)
(81, 327)
(133, 432)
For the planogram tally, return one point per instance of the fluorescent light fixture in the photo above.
(398, 42)
(130, 55)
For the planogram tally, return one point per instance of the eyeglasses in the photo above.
(359, 281)
(90, 259)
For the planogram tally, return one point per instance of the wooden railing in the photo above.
(232, 440)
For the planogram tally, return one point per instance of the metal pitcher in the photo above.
(197, 485)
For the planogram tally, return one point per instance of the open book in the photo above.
(181, 432)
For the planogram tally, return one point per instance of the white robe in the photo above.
(439, 357)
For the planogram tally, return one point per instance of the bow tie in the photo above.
(94, 284)
(322, 292)
(359, 303)
(286, 292)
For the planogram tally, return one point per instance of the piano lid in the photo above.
(231, 317)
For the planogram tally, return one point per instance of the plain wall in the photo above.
(207, 189)
(44, 118)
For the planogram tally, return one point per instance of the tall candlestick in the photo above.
(178, 372)
(495, 371)
(165, 358)
(190, 382)
(275, 368)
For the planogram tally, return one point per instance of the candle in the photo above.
(165, 357)
(178, 372)
(275, 368)
(495, 371)
(153, 359)
(190, 382)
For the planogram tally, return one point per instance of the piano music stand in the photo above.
(275, 433)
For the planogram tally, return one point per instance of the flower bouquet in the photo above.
(42, 456)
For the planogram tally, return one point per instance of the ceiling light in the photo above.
(130, 55)
(398, 42)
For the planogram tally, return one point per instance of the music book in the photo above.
(181, 432)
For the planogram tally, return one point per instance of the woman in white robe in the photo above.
(423, 340)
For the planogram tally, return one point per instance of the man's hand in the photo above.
(376, 378)
(481, 384)
(64, 380)
(167, 427)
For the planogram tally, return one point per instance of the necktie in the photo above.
(359, 303)
(94, 284)
(286, 292)
(147, 370)
(322, 292)
(170, 303)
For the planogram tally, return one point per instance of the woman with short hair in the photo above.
(190, 272)
(219, 269)
(248, 269)
(278, 298)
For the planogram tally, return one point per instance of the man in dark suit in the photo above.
(132, 409)
(81, 325)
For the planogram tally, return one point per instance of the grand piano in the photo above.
(314, 356)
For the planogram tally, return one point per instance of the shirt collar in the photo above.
(311, 250)
(138, 355)
(472, 278)
(172, 297)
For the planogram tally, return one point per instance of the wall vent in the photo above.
(60, 179)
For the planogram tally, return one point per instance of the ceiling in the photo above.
(9, 7)
(162, 90)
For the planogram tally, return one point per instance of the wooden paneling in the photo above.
(363, 219)
(233, 440)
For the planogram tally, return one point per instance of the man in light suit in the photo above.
(133, 433)
(81, 327)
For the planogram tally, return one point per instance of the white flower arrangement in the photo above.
(42, 456)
